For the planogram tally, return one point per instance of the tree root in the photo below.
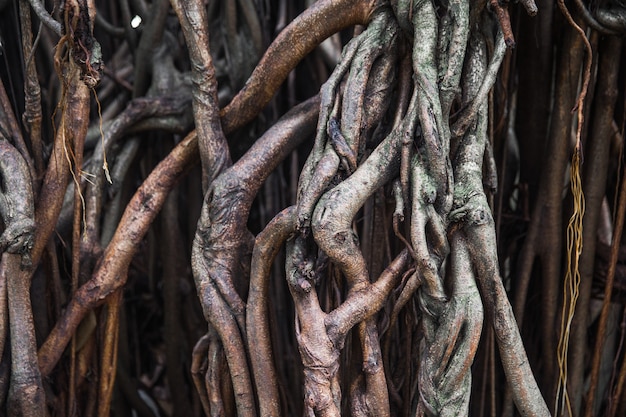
(450, 240)
(472, 211)
(266, 247)
(451, 338)
(26, 395)
(321, 336)
(361, 54)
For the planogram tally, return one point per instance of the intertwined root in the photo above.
(403, 125)
(349, 114)
(446, 197)
(435, 145)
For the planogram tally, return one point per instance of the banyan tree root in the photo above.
(343, 128)
(266, 247)
(331, 226)
(321, 335)
(452, 331)
(26, 396)
(452, 324)
(222, 246)
(22, 242)
(448, 212)
(435, 137)
(140, 212)
(451, 243)
(367, 64)
(223, 243)
(471, 213)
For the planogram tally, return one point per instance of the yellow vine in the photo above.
(574, 234)
(572, 281)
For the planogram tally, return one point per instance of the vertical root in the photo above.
(451, 339)
(266, 247)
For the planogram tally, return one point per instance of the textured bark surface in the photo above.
(311, 208)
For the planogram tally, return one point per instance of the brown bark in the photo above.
(412, 116)
(266, 247)
(26, 394)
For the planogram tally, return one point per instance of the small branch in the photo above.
(608, 288)
(111, 29)
(174, 263)
(214, 151)
(148, 44)
(341, 147)
(44, 16)
(505, 22)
